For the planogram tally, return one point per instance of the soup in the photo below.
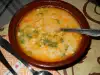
(40, 37)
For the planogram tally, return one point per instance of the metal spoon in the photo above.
(6, 45)
(90, 32)
(34, 72)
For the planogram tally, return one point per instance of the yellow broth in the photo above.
(40, 37)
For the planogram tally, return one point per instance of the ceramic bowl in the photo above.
(55, 3)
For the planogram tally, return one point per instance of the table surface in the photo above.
(90, 65)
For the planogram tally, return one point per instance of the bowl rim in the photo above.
(59, 4)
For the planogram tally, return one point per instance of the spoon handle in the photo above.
(90, 32)
(6, 45)
(5, 62)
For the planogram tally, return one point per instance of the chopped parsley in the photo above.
(58, 21)
(22, 41)
(35, 31)
(49, 43)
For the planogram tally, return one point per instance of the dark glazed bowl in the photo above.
(59, 4)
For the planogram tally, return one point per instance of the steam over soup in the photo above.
(39, 36)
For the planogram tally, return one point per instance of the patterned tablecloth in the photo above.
(90, 65)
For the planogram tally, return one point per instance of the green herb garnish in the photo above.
(29, 35)
(22, 41)
(66, 47)
(63, 54)
(35, 31)
(58, 21)
(49, 43)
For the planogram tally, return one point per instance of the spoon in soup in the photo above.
(90, 32)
